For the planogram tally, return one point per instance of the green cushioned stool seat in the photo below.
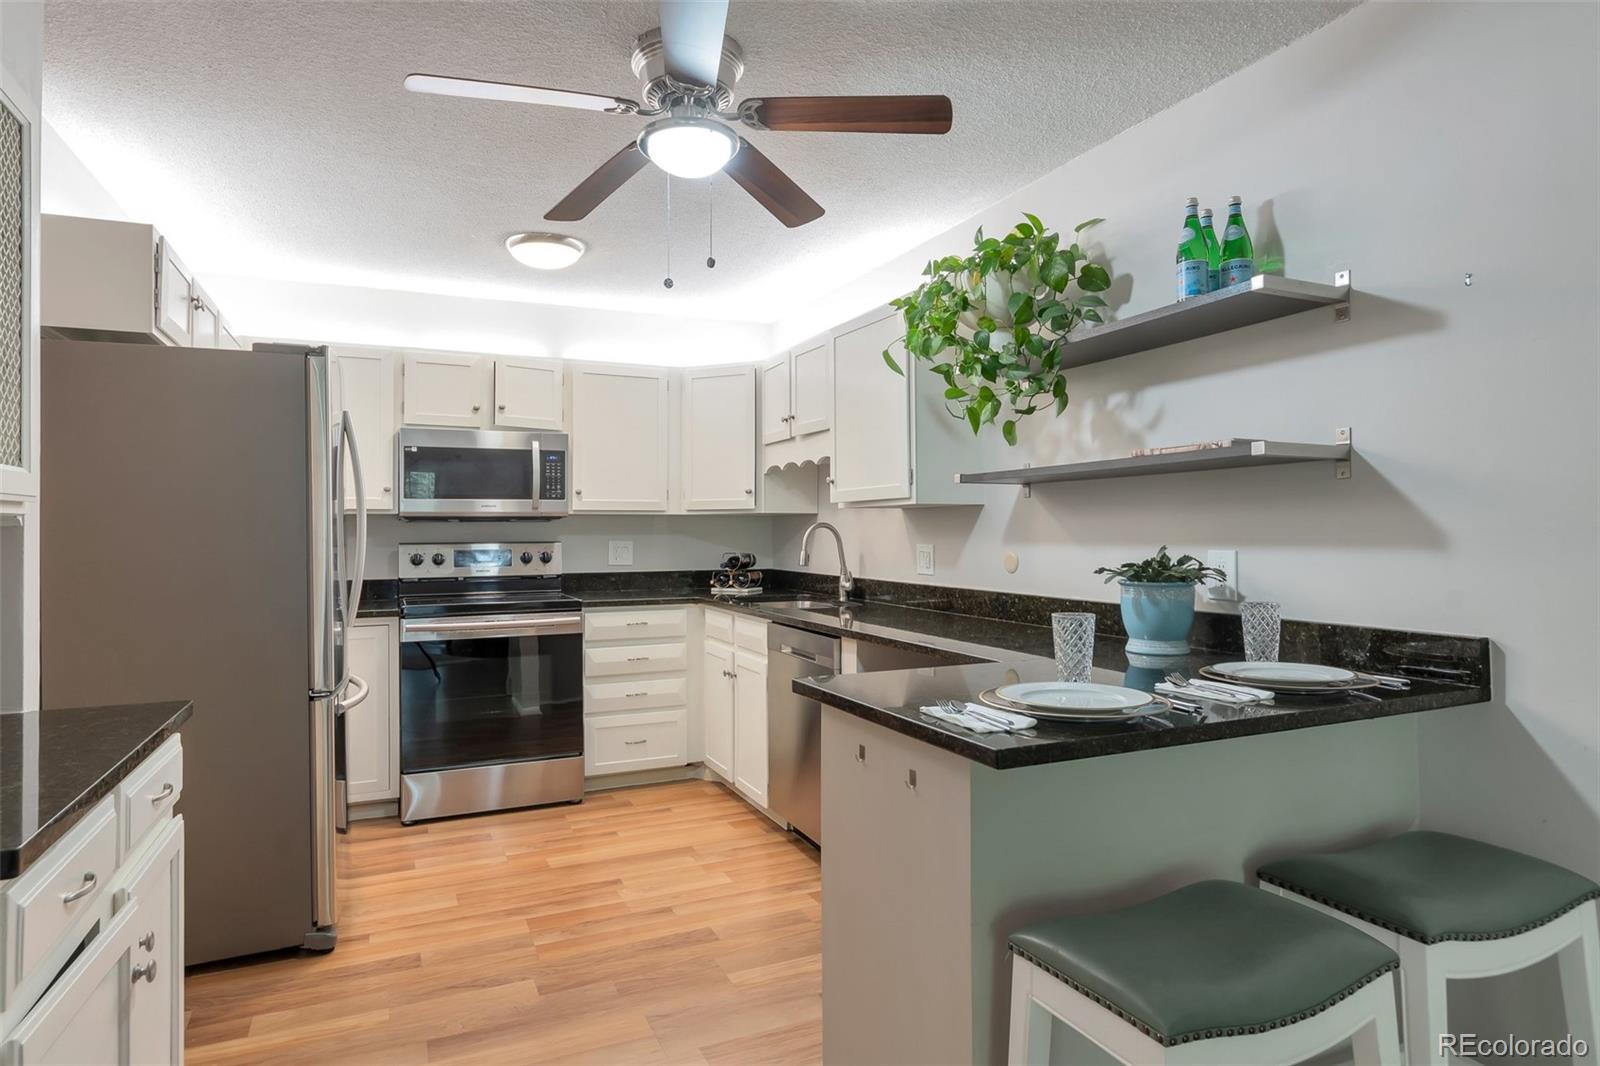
(1215, 958)
(1434, 887)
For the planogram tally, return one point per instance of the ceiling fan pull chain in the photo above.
(668, 281)
(711, 223)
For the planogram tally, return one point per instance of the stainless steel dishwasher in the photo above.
(794, 726)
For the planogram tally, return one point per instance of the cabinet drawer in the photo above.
(652, 624)
(750, 634)
(719, 626)
(145, 799)
(635, 695)
(44, 904)
(617, 743)
(634, 659)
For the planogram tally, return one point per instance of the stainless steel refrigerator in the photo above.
(193, 548)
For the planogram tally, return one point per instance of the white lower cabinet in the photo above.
(733, 702)
(372, 727)
(635, 690)
(97, 976)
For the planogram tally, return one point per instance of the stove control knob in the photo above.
(527, 557)
(545, 557)
(438, 558)
(416, 558)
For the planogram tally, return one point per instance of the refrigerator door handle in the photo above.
(357, 565)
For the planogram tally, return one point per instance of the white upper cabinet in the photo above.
(205, 324)
(775, 406)
(620, 451)
(528, 393)
(364, 379)
(719, 439)
(175, 296)
(872, 414)
(445, 389)
(812, 407)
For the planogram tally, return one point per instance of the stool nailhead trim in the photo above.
(1166, 1040)
(1412, 934)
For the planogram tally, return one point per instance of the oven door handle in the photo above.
(518, 626)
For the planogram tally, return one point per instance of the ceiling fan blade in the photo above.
(517, 94)
(849, 114)
(772, 188)
(593, 190)
(691, 37)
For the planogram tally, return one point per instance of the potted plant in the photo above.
(1158, 600)
(992, 322)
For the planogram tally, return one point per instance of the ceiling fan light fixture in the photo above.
(688, 147)
(545, 251)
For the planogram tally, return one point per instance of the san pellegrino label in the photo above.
(1194, 269)
(1238, 254)
(1213, 251)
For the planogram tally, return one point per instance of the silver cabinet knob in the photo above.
(749, 492)
(577, 492)
(502, 407)
(146, 971)
(148, 941)
(830, 481)
(477, 407)
(387, 488)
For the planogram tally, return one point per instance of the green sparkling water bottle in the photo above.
(1238, 255)
(1193, 266)
(1213, 252)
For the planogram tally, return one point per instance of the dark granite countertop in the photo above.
(55, 765)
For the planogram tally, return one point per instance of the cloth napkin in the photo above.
(1216, 691)
(978, 725)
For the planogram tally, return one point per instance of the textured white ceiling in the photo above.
(273, 138)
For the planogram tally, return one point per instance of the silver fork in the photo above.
(1199, 688)
(953, 707)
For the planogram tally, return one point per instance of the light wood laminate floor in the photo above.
(663, 924)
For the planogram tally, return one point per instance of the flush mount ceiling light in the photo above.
(688, 147)
(544, 251)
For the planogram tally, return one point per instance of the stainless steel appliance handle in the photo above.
(798, 654)
(358, 565)
(510, 626)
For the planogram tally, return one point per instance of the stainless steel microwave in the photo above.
(475, 473)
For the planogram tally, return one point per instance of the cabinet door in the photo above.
(174, 295)
(716, 709)
(750, 725)
(620, 443)
(813, 389)
(82, 1018)
(155, 1001)
(719, 440)
(871, 414)
(366, 391)
(372, 727)
(528, 393)
(205, 325)
(776, 424)
(444, 389)
(225, 337)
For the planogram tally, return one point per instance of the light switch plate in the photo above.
(1226, 559)
(621, 553)
(925, 559)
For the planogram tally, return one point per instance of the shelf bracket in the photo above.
(1341, 467)
(1341, 312)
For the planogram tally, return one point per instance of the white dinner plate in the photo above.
(1074, 696)
(1285, 673)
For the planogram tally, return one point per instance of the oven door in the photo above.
(488, 690)
(467, 473)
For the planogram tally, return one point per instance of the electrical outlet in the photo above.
(925, 559)
(621, 553)
(1227, 560)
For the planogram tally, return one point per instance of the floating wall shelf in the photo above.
(1264, 297)
(1242, 452)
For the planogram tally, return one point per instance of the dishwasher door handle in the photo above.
(798, 654)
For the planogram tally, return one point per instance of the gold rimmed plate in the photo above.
(1155, 705)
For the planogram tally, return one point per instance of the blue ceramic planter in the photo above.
(1158, 616)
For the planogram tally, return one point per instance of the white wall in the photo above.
(660, 542)
(1411, 143)
(68, 187)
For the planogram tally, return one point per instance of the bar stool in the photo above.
(1206, 974)
(1453, 907)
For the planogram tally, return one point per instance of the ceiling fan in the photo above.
(688, 68)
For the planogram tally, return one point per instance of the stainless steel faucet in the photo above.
(846, 582)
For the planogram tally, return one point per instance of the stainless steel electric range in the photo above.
(491, 680)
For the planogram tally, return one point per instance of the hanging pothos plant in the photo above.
(992, 323)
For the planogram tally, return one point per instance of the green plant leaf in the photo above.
(1057, 271)
(1080, 227)
(1021, 308)
(1009, 432)
(975, 418)
(1090, 301)
(1091, 315)
(1093, 278)
(954, 393)
(1022, 230)
(887, 358)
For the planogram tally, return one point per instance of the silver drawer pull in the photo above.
(165, 794)
(78, 893)
(911, 780)
(644, 623)
(638, 658)
(630, 743)
(146, 970)
(636, 695)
